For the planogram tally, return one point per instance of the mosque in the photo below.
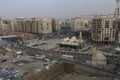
(72, 43)
(98, 59)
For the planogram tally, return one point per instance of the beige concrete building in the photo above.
(104, 29)
(119, 38)
(27, 25)
(6, 25)
(78, 24)
(31, 25)
(45, 26)
(1, 23)
(20, 23)
(13, 25)
(57, 25)
(34, 23)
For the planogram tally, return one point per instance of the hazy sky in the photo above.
(54, 8)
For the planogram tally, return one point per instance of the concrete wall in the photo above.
(47, 74)
(56, 70)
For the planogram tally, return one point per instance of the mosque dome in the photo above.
(100, 57)
(73, 39)
(66, 39)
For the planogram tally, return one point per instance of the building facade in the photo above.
(20, 23)
(45, 26)
(119, 38)
(104, 29)
(78, 24)
(1, 23)
(30, 25)
(13, 25)
(6, 25)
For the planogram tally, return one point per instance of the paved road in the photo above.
(39, 52)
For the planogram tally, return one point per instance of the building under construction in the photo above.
(105, 28)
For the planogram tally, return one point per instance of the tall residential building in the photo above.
(119, 38)
(20, 23)
(45, 26)
(13, 25)
(104, 29)
(55, 25)
(1, 23)
(27, 25)
(6, 25)
(78, 24)
(34, 24)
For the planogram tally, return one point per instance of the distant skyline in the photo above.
(54, 8)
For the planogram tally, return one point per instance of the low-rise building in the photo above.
(72, 43)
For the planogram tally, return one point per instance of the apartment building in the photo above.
(33, 25)
(27, 25)
(1, 22)
(6, 25)
(78, 24)
(13, 25)
(104, 29)
(45, 26)
(20, 23)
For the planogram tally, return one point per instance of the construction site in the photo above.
(28, 56)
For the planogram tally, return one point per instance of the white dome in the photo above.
(100, 57)
(118, 48)
(66, 39)
(73, 39)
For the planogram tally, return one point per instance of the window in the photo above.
(113, 34)
(106, 38)
(106, 24)
(114, 23)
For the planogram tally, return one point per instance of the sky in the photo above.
(54, 8)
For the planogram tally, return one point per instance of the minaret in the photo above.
(81, 39)
(80, 35)
(94, 52)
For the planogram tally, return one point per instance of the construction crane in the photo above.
(117, 10)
